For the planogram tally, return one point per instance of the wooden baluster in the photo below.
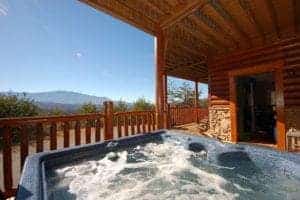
(119, 126)
(138, 124)
(88, 132)
(39, 138)
(132, 125)
(66, 134)
(153, 121)
(53, 136)
(98, 130)
(109, 122)
(77, 133)
(126, 125)
(24, 144)
(148, 122)
(7, 159)
(143, 123)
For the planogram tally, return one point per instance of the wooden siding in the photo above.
(286, 50)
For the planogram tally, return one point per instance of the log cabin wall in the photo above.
(287, 50)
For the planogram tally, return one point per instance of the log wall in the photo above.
(287, 50)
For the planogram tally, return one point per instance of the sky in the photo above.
(48, 45)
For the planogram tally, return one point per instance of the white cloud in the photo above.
(3, 9)
(78, 55)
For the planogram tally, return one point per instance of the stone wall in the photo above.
(219, 123)
(292, 118)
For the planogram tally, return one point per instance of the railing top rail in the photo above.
(134, 112)
(49, 119)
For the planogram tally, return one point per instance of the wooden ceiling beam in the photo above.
(200, 67)
(180, 54)
(190, 26)
(179, 35)
(246, 7)
(216, 41)
(274, 17)
(143, 8)
(160, 6)
(180, 12)
(210, 23)
(119, 11)
(215, 4)
(185, 70)
(182, 48)
(192, 77)
(191, 50)
(201, 80)
(296, 4)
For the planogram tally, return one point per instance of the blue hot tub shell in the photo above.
(33, 184)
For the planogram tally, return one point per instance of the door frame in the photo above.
(274, 67)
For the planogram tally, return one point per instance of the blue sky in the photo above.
(66, 45)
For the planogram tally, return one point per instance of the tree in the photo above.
(142, 104)
(87, 108)
(56, 111)
(183, 94)
(11, 106)
(120, 106)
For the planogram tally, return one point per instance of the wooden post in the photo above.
(165, 87)
(196, 101)
(160, 63)
(196, 95)
(108, 126)
(7, 159)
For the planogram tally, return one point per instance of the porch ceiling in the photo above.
(200, 30)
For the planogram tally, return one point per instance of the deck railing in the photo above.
(23, 136)
(184, 114)
(134, 122)
(27, 135)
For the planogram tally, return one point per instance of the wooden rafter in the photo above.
(122, 12)
(296, 5)
(194, 69)
(178, 62)
(182, 54)
(274, 17)
(245, 5)
(193, 29)
(189, 76)
(180, 12)
(215, 4)
(182, 48)
(180, 35)
(165, 8)
(144, 8)
(215, 41)
(212, 25)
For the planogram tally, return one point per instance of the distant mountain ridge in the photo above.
(59, 97)
(67, 101)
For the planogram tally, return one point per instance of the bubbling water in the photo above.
(157, 171)
(153, 171)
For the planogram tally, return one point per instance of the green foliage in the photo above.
(120, 106)
(142, 104)
(88, 108)
(183, 94)
(203, 103)
(11, 106)
(56, 111)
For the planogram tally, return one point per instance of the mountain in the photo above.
(63, 100)
(60, 97)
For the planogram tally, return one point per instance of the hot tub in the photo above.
(161, 165)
